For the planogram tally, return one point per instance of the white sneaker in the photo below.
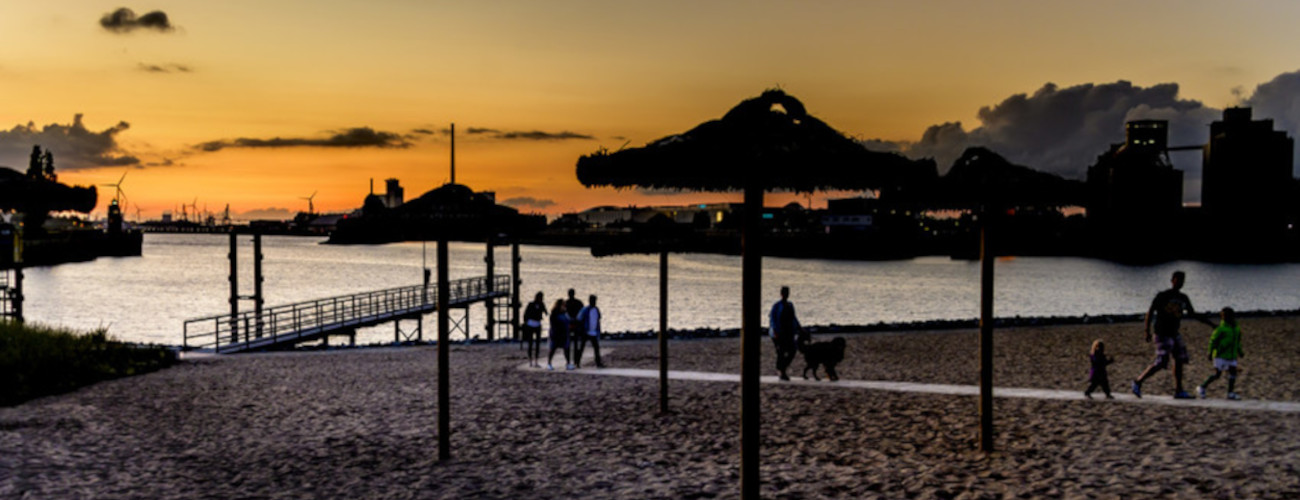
(1200, 391)
(550, 367)
(1233, 395)
(570, 367)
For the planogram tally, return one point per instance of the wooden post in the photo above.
(17, 304)
(750, 337)
(986, 335)
(514, 291)
(234, 287)
(257, 282)
(663, 331)
(444, 398)
(490, 303)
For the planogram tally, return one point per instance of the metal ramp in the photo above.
(284, 326)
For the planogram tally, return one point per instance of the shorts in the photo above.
(1222, 365)
(1167, 346)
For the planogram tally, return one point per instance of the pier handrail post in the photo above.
(444, 385)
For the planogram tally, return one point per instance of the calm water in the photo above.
(179, 277)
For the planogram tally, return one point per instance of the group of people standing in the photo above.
(573, 325)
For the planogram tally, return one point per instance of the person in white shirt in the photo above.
(590, 318)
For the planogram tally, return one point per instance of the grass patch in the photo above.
(39, 361)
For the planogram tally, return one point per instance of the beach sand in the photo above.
(362, 424)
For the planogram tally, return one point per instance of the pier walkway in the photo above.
(286, 325)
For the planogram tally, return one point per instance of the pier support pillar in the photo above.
(257, 282)
(234, 287)
(15, 295)
(491, 261)
(514, 291)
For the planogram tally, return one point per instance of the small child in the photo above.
(1097, 373)
(1225, 348)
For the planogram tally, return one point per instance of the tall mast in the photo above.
(453, 153)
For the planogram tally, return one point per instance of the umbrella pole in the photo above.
(986, 336)
(663, 331)
(444, 384)
(750, 335)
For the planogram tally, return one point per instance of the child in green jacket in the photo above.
(1225, 349)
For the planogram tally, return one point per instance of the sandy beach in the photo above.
(361, 424)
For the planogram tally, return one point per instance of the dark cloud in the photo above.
(124, 20)
(1063, 130)
(537, 135)
(1279, 100)
(422, 131)
(73, 145)
(528, 202)
(515, 135)
(361, 137)
(163, 68)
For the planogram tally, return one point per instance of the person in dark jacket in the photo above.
(559, 334)
(533, 328)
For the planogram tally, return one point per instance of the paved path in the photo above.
(957, 390)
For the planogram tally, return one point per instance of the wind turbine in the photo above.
(119, 195)
(311, 209)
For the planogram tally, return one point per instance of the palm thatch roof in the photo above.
(769, 140)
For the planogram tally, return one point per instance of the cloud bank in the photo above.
(1063, 130)
(124, 20)
(1279, 100)
(528, 202)
(519, 135)
(359, 137)
(269, 213)
(163, 68)
(73, 145)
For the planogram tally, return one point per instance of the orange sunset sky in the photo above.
(259, 104)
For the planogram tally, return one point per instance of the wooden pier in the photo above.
(284, 326)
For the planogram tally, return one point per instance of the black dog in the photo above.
(826, 354)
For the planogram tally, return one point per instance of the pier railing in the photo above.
(311, 319)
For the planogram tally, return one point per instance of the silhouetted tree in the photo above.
(48, 160)
(34, 166)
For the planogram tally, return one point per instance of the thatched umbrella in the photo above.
(983, 181)
(766, 143)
